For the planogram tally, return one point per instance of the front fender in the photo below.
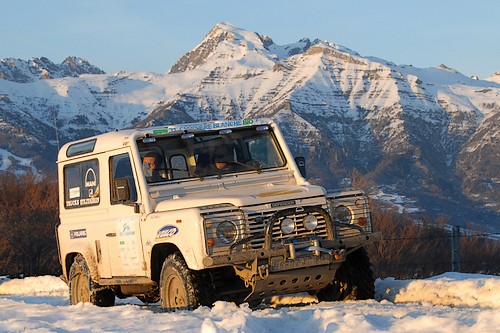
(181, 229)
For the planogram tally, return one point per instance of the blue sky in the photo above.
(144, 35)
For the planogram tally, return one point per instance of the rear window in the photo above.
(81, 148)
(81, 184)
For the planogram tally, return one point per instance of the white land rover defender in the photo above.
(194, 213)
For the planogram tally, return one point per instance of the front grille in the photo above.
(345, 211)
(257, 221)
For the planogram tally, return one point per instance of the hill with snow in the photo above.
(494, 78)
(429, 135)
(21, 71)
(451, 302)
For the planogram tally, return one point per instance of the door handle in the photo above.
(111, 234)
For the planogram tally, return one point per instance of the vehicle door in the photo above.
(124, 234)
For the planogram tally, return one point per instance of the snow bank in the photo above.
(34, 286)
(450, 289)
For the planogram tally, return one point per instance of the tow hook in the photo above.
(263, 271)
(336, 254)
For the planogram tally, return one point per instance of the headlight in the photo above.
(287, 225)
(342, 214)
(227, 232)
(310, 222)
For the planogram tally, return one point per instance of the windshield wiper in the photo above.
(249, 166)
(196, 176)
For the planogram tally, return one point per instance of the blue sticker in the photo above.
(78, 233)
(166, 232)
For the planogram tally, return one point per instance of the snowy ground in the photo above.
(450, 302)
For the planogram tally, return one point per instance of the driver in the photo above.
(151, 164)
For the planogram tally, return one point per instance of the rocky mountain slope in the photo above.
(42, 68)
(429, 135)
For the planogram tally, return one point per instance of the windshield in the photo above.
(205, 154)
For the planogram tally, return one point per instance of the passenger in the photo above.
(224, 159)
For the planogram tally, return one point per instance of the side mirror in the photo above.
(301, 164)
(122, 189)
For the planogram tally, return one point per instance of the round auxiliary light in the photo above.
(310, 222)
(342, 214)
(227, 232)
(287, 225)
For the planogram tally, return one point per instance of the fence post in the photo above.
(455, 249)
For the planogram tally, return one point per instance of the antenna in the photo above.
(57, 134)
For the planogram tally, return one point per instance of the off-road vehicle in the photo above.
(194, 213)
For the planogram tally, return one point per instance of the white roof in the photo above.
(120, 138)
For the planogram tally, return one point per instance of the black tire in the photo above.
(353, 280)
(83, 289)
(179, 286)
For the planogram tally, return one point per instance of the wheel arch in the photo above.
(158, 255)
(70, 258)
(68, 261)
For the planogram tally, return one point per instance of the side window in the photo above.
(81, 184)
(120, 167)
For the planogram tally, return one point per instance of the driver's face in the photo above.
(151, 161)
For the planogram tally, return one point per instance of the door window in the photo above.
(121, 167)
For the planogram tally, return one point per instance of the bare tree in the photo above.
(419, 248)
(28, 215)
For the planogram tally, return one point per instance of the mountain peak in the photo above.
(494, 78)
(22, 71)
(225, 26)
(74, 65)
(446, 68)
(235, 43)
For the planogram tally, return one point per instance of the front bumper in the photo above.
(297, 255)
(293, 267)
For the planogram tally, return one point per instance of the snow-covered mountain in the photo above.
(42, 68)
(494, 78)
(427, 134)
